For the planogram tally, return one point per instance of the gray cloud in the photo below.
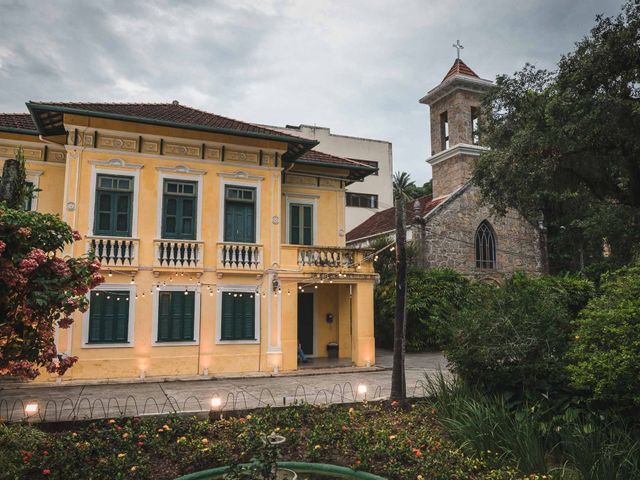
(357, 66)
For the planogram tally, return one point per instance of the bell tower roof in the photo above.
(460, 68)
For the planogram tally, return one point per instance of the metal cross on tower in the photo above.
(459, 47)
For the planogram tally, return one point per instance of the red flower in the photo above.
(76, 235)
(417, 452)
(46, 471)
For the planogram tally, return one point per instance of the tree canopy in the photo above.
(566, 144)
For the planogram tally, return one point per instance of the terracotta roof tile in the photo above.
(321, 157)
(168, 112)
(19, 121)
(460, 68)
(385, 220)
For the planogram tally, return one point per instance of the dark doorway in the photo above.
(305, 322)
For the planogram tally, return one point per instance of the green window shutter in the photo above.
(238, 316)
(179, 204)
(164, 304)
(307, 217)
(239, 214)
(295, 224)
(176, 316)
(112, 212)
(226, 329)
(109, 317)
(301, 224)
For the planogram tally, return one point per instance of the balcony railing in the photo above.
(309, 258)
(325, 257)
(239, 256)
(115, 252)
(178, 254)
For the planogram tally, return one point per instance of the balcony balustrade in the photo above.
(240, 256)
(178, 254)
(311, 258)
(115, 252)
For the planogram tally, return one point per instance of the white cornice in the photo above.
(240, 175)
(181, 169)
(459, 149)
(116, 162)
(456, 82)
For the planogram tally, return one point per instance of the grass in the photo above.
(578, 445)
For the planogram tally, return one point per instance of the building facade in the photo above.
(375, 192)
(455, 227)
(216, 253)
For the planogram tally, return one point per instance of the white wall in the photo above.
(357, 149)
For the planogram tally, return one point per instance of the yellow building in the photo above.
(222, 242)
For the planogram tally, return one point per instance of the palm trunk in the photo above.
(398, 381)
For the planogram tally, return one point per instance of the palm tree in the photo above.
(401, 185)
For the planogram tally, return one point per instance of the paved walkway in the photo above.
(68, 402)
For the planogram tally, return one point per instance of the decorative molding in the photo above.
(456, 82)
(459, 149)
(240, 175)
(34, 173)
(299, 195)
(117, 143)
(116, 162)
(240, 156)
(181, 149)
(181, 169)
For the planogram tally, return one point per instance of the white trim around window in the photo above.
(249, 289)
(133, 172)
(196, 315)
(33, 176)
(131, 322)
(179, 176)
(240, 181)
(301, 199)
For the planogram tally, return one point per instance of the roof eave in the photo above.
(35, 107)
(23, 131)
(458, 81)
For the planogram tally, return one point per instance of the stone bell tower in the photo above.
(455, 143)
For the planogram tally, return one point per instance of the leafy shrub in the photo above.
(18, 444)
(484, 425)
(604, 352)
(39, 290)
(432, 297)
(394, 441)
(514, 338)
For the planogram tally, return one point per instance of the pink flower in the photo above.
(24, 231)
(65, 322)
(28, 265)
(60, 267)
(2, 246)
(76, 235)
(46, 471)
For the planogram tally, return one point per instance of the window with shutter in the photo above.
(238, 320)
(108, 316)
(301, 224)
(179, 203)
(112, 216)
(176, 316)
(240, 214)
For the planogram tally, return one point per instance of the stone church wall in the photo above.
(451, 174)
(450, 232)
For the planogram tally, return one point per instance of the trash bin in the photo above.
(332, 350)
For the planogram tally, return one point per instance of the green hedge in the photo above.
(605, 347)
(514, 338)
(432, 297)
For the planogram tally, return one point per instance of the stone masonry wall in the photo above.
(449, 238)
(458, 107)
(451, 174)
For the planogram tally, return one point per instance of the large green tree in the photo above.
(566, 144)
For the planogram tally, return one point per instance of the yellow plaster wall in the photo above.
(50, 182)
(278, 313)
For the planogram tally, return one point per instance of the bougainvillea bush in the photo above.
(393, 441)
(39, 289)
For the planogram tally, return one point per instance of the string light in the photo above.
(110, 273)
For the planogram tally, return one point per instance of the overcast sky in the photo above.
(358, 67)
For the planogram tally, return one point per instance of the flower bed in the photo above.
(382, 438)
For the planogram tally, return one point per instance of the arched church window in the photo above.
(485, 246)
